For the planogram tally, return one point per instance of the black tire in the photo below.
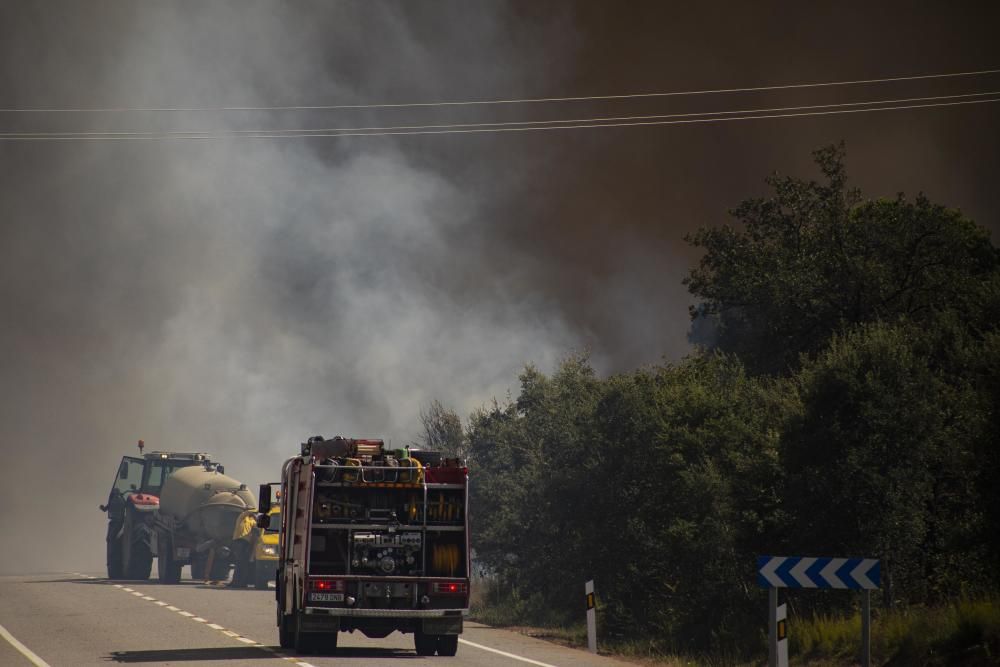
(447, 645)
(167, 569)
(114, 555)
(303, 641)
(262, 574)
(286, 630)
(424, 644)
(137, 558)
(198, 567)
(325, 643)
(220, 569)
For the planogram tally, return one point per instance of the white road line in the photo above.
(505, 654)
(25, 651)
(199, 619)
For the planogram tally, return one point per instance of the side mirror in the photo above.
(264, 499)
(264, 521)
(221, 469)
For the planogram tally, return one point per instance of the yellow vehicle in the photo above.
(265, 550)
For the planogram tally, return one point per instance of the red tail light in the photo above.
(449, 588)
(327, 585)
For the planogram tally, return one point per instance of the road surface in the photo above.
(78, 619)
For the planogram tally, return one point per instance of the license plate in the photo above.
(183, 552)
(326, 597)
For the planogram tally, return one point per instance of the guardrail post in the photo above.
(588, 589)
(866, 628)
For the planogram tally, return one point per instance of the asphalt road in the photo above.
(83, 619)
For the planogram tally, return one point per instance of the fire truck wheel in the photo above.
(325, 643)
(447, 644)
(304, 641)
(425, 644)
(286, 630)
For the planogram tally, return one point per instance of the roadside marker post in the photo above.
(774, 572)
(588, 589)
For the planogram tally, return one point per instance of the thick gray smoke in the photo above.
(236, 296)
(232, 296)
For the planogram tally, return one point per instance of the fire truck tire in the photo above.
(167, 569)
(325, 643)
(424, 644)
(304, 642)
(447, 645)
(115, 570)
(286, 630)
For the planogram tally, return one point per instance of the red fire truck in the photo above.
(371, 539)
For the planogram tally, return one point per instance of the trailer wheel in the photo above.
(262, 575)
(424, 644)
(447, 645)
(167, 569)
(198, 567)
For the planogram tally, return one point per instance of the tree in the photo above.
(442, 431)
(814, 259)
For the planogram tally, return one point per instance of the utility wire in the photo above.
(475, 130)
(498, 124)
(534, 100)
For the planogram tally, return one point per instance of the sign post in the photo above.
(774, 572)
(588, 589)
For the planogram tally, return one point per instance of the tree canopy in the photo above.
(849, 405)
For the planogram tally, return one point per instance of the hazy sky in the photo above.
(237, 296)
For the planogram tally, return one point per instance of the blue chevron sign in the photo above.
(802, 572)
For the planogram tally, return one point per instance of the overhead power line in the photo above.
(498, 124)
(530, 100)
(280, 134)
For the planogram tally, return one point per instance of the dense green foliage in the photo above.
(848, 405)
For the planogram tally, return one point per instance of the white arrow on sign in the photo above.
(860, 573)
(768, 572)
(799, 573)
(830, 572)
